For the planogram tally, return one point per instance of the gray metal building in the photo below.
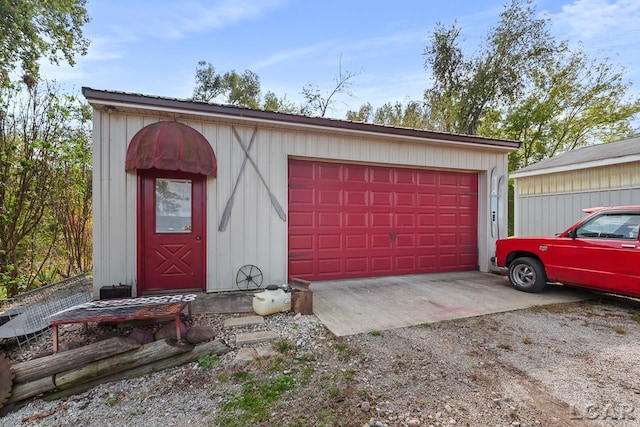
(549, 196)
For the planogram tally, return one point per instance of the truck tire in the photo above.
(527, 274)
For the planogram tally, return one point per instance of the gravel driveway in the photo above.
(572, 364)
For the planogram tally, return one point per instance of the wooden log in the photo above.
(203, 349)
(148, 353)
(30, 389)
(69, 360)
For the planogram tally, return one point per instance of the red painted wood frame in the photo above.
(170, 261)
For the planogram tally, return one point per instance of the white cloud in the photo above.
(599, 24)
(287, 55)
(605, 29)
(175, 20)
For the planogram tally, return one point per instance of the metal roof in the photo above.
(112, 99)
(624, 151)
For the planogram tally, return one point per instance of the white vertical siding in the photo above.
(99, 241)
(255, 234)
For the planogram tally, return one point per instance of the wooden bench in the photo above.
(119, 310)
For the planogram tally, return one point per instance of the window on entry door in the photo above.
(173, 205)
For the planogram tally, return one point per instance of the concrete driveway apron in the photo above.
(348, 307)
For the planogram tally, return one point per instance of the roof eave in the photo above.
(578, 166)
(115, 99)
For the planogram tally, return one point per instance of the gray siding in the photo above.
(548, 214)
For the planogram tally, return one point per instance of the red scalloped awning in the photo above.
(171, 146)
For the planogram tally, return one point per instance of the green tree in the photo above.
(319, 102)
(37, 153)
(413, 114)
(242, 90)
(572, 101)
(465, 89)
(364, 114)
(71, 206)
(209, 85)
(33, 29)
(271, 102)
(232, 88)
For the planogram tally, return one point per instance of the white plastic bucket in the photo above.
(271, 301)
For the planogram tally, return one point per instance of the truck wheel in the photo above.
(527, 274)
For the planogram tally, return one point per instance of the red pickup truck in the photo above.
(600, 252)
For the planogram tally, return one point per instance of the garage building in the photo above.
(187, 194)
(550, 195)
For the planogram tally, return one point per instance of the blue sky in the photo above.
(153, 46)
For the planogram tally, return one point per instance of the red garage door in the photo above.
(360, 221)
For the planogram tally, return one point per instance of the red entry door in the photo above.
(171, 231)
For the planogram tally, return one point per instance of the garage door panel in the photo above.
(381, 220)
(299, 268)
(330, 197)
(357, 219)
(448, 260)
(356, 241)
(355, 198)
(381, 264)
(327, 172)
(301, 219)
(405, 220)
(467, 240)
(405, 200)
(427, 240)
(330, 266)
(469, 260)
(427, 262)
(427, 200)
(301, 243)
(448, 200)
(405, 241)
(405, 264)
(448, 180)
(447, 219)
(427, 220)
(427, 178)
(301, 196)
(381, 198)
(467, 220)
(405, 176)
(469, 181)
(329, 219)
(467, 200)
(447, 240)
(380, 241)
(349, 220)
(356, 266)
(354, 174)
(333, 241)
(300, 171)
(379, 175)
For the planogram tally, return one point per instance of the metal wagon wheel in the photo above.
(249, 277)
